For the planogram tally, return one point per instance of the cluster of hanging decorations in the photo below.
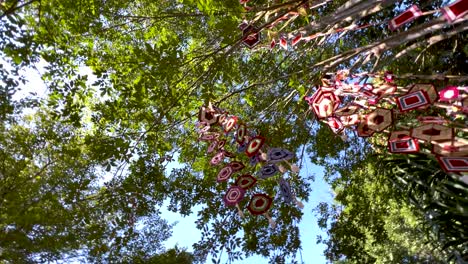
(380, 106)
(414, 116)
(221, 130)
(251, 35)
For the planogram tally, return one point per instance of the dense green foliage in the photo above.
(396, 210)
(84, 174)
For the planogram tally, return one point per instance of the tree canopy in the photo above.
(86, 168)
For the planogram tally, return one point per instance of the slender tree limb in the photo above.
(276, 7)
(455, 78)
(347, 5)
(229, 95)
(357, 12)
(168, 15)
(10, 9)
(391, 42)
(15, 8)
(432, 40)
(376, 63)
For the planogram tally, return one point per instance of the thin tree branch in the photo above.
(168, 15)
(355, 13)
(388, 43)
(455, 78)
(347, 5)
(288, 4)
(14, 8)
(432, 40)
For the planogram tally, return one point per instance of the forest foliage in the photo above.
(85, 169)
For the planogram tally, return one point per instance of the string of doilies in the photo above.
(416, 117)
(223, 133)
(252, 35)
